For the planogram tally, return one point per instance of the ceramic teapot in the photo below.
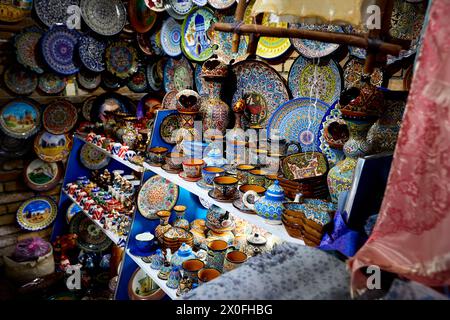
(255, 244)
(183, 253)
(270, 206)
(219, 220)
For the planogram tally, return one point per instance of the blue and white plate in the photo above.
(92, 52)
(71, 211)
(171, 37)
(178, 9)
(333, 155)
(52, 12)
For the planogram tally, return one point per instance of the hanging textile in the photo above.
(412, 234)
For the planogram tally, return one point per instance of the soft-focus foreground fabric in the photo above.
(290, 271)
(410, 290)
(411, 236)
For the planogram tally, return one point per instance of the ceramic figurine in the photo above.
(219, 220)
(157, 260)
(174, 278)
(164, 272)
(181, 222)
(186, 284)
(183, 253)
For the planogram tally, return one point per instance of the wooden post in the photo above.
(238, 17)
(254, 37)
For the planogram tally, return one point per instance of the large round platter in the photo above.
(271, 47)
(353, 71)
(52, 148)
(26, 44)
(298, 120)
(36, 213)
(329, 79)
(224, 40)
(11, 148)
(59, 117)
(105, 17)
(178, 9)
(52, 12)
(142, 287)
(87, 107)
(155, 5)
(333, 155)
(51, 83)
(171, 37)
(168, 127)
(42, 176)
(178, 74)
(91, 52)
(157, 194)
(260, 84)
(121, 59)
(72, 211)
(141, 17)
(195, 42)
(315, 49)
(138, 81)
(20, 80)
(221, 4)
(58, 47)
(90, 237)
(20, 118)
(92, 158)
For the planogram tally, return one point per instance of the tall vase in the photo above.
(188, 106)
(215, 112)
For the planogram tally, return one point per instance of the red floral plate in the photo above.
(59, 117)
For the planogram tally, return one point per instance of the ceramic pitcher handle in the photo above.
(246, 195)
(293, 143)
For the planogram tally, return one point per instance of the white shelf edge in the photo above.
(154, 275)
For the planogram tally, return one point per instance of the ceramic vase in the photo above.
(163, 226)
(181, 222)
(174, 278)
(157, 260)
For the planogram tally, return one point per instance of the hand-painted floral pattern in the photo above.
(157, 194)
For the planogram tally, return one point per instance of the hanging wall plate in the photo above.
(121, 59)
(36, 213)
(156, 5)
(272, 47)
(20, 118)
(51, 83)
(20, 80)
(72, 211)
(90, 238)
(92, 158)
(224, 40)
(169, 125)
(52, 12)
(89, 80)
(138, 81)
(171, 37)
(105, 17)
(59, 117)
(178, 9)
(12, 148)
(221, 4)
(333, 155)
(153, 77)
(200, 83)
(157, 194)
(52, 148)
(42, 176)
(141, 17)
(87, 107)
(353, 71)
(91, 52)
(178, 74)
(169, 101)
(26, 44)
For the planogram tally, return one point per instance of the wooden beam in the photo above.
(238, 17)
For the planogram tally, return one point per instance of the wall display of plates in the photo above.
(121, 59)
(142, 287)
(224, 40)
(52, 12)
(178, 74)
(355, 51)
(195, 43)
(178, 9)
(157, 194)
(11, 148)
(153, 77)
(19, 80)
(110, 82)
(90, 237)
(57, 47)
(156, 5)
(138, 81)
(89, 80)
(52, 148)
(333, 155)
(51, 83)
(26, 44)
(353, 71)
(105, 17)
(299, 120)
(141, 17)
(36, 213)
(262, 88)
(169, 125)
(329, 79)
(200, 83)
(221, 4)
(42, 176)
(87, 107)
(91, 52)
(72, 211)
(315, 49)
(59, 117)
(270, 47)
(155, 42)
(171, 37)
(92, 158)
(169, 101)
(20, 118)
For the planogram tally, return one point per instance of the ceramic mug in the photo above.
(269, 180)
(129, 155)
(217, 250)
(209, 173)
(243, 171)
(191, 268)
(174, 160)
(257, 177)
(193, 167)
(144, 241)
(260, 191)
(116, 148)
(207, 274)
(225, 186)
(156, 155)
(234, 259)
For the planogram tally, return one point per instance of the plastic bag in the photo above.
(30, 249)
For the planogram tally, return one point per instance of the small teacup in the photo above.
(209, 173)
(225, 186)
(116, 148)
(208, 274)
(260, 191)
(243, 171)
(234, 259)
(192, 267)
(129, 155)
(156, 155)
(257, 177)
(269, 180)
(174, 160)
(193, 167)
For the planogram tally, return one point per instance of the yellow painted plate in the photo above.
(270, 47)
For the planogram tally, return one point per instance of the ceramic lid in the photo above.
(275, 190)
(256, 239)
(184, 250)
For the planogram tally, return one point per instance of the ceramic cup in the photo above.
(269, 180)
(144, 241)
(129, 155)
(207, 274)
(116, 148)
(225, 186)
(191, 268)
(234, 259)
(157, 155)
(217, 250)
(257, 177)
(180, 210)
(260, 191)
(243, 172)
(193, 167)
(174, 160)
(209, 173)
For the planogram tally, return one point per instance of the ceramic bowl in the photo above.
(191, 268)
(144, 241)
(207, 274)
(247, 187)
(157, 155)
(257, 176)
(209, 173)
(243, 172)
(174, 160)
(193, 167)
(142, 287)
(225, 186)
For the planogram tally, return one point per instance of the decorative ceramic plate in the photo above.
(262, 88)
(178, 74)
(12, 12)
(52, 12)
(333, 155)
(221, 4)
(355, 51)
(142, 287)
(271, 47)
(105, 17)
(157, 194)
(195, 42)
(171, 37)
(169, 125)
(143, 40)
(121, 59)
(141, 17)
(315, 49)
(329, 80)
(170, 100)
(72, 211)
(200, 83)
(224, 40)
(36, 213)
(42, 176)
(20, 118)
(59, 117)
(298, 120)
(52, 148)
(90, 237)
(353, 71)
(155, 5)
(11, 148)
(26, 44)
(153, 78)
(407, 19)
(89, 80)
(91, 52)
(155, 42)
(58, 46)
(87, 107)
(111, 82)
(180, 7)
(19, 80)
(138, 81)
(51, 83)
(106, 104)
(304, 165)
(92, 158)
